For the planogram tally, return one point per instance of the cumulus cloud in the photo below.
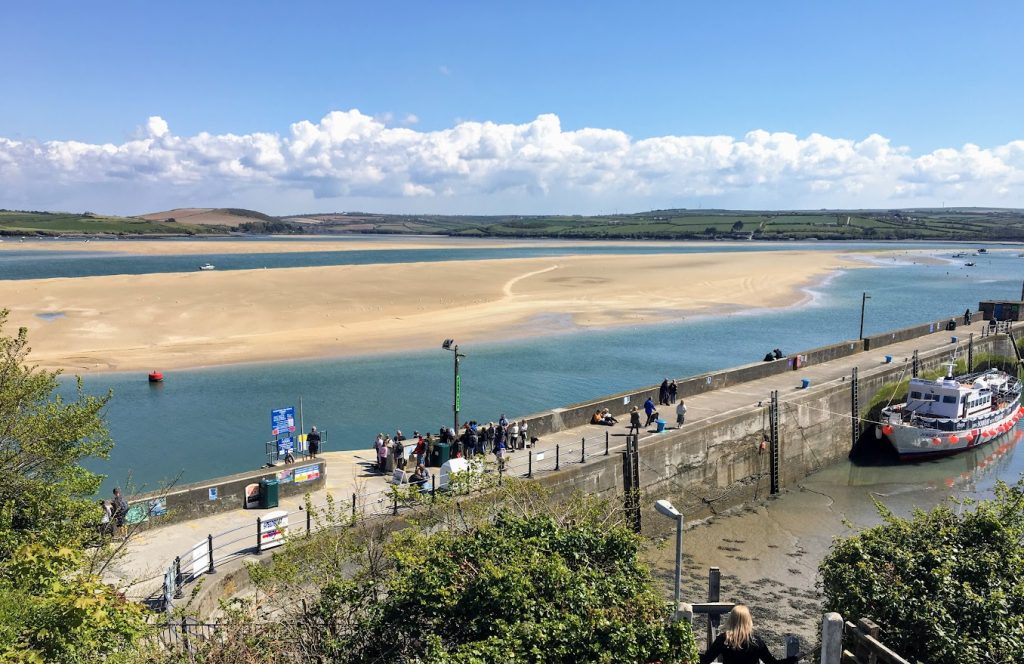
(534, 166)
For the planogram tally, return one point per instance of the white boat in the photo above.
(952, 414)
(207, 266)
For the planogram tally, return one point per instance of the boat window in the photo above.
(915, 395)
(935, 397)
(948, 399)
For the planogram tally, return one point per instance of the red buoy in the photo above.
(887, 429)
(155, 377)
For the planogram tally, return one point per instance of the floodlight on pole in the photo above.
(449, 344)
(667, 509)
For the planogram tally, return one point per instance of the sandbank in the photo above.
(167, 321)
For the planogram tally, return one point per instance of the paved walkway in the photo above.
(151, 551)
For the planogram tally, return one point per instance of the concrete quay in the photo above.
(709, 449)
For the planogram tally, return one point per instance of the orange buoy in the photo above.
(887, 429)
(936, 441)
(155, 377)
(954, 438)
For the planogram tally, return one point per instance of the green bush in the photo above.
(944, 587)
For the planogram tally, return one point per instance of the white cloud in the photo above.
(411, 119)
(516, 168)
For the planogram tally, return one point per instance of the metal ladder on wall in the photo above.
(773, 441)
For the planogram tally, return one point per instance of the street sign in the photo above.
(282, 421)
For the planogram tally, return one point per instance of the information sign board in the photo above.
(307, 474)
(285, 446)
(282, 421)
(273, 529)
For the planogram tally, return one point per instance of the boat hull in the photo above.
(916, 442)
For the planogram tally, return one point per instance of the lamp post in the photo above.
(449, 344)
(665, 508)
(863, 300)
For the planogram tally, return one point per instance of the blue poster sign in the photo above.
(285, 446)
(282, 421)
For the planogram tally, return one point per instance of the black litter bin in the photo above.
(440, 454)
(951, 325)
(268, 493)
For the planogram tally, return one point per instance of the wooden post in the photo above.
(433, 487)
(714, 595)
(864, 653)
(529, 464)
(209, 551)
(832, 639)
(259, 535)
(606, 436)
(556, 456)
(309, 522)
(353, 508)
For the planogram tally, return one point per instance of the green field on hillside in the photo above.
(59, 223)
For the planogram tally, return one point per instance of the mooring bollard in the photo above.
(583, 449)
(259, 533)
(209, 551)
(831, 639)
(556, 457)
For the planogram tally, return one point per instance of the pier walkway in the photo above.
(150, 551)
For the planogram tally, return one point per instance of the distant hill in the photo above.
(19, 222)
(209, 216)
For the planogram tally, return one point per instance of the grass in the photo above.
(58, 223)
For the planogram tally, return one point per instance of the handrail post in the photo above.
(209, 551)
(353, 508)
(259, 535)
(529, 465)
(501, 470)
(606, 436)
(583, 449)
(394, 511)
(433, 487)
(309, 522)
(556, 456)
(177, 578)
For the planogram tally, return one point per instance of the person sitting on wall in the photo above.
(607, 418)
(777, 353)
(769, 357)
(597, 417)
(420, 477)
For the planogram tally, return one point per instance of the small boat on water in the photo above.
(156, 377)
(952, 414)
(968, 264)
(207, 266)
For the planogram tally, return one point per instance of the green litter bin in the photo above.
(268, 493)
(440, 455)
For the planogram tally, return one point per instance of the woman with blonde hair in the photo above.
(737, 644)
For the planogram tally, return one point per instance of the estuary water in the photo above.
(208, 422)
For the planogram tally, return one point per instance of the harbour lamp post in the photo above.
(665, 508)
(449, 344)
(863, 300)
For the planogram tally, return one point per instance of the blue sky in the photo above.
(925, 76)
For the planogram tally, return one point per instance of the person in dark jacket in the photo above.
(663, 393)
(634, 420)
(737, 644)
(652, 412)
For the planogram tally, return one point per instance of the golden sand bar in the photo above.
(166, 321)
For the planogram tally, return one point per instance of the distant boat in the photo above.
(207, 266)
(156, 377)
(968, 264)
(982, 251)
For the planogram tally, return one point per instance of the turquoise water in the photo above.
(209, 422)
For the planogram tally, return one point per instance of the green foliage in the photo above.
(501, 576)
(53, 605)
(51, 612)
(57, 223)
(944, 587)
(45, 494)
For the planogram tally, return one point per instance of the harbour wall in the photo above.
(720, 462)
(223, 494)
(579, 414)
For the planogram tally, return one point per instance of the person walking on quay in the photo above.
(738, 644)
(513, 435)
(680, 413)
(652, 412)
(522, 434)
(119, 510)
(421, 448)
(634, 420)
(673, 392)
(314, 442)
(663, 393)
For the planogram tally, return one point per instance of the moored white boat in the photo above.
(952, 414)
(207, 266)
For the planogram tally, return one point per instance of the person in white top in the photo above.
(680, 413)
(513, 435)
(522, 434)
